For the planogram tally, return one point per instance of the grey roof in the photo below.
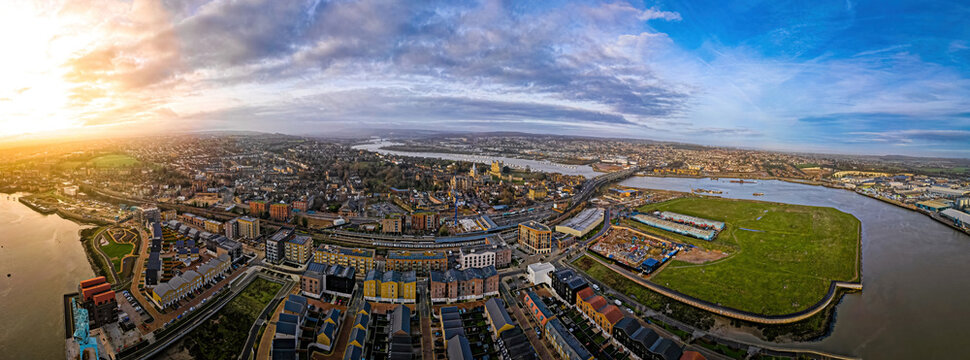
(401, 320)
(359, 335)
(645, 336)
(459, 348)
(353, 353)
(362, 319)
(316, 268)
(495, 308)
(667, 349)
(373, 274)
(556, 326)
(628, 325)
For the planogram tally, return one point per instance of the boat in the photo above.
(742, 181)
(759, 194)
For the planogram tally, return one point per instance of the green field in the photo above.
(785, 266)
(116, 251)
(114, 160)
(224, 335)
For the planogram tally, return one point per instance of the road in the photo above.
(137, 274)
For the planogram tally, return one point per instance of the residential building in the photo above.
(97, 297)
(280, 212)
(563, 341)
(399, 334)
(258, 208)
(423, 221)
(467, 284)
(537, 194)
(168, 293)
(498, 318)
(537, 308)
(392, 224)
(498, 255)
(360, 259)
(275, 245)
(327, 332)
(248, 227)
(421, 262)
(538, 273)
(535, 237)
(299, 249)
(597, 308)
(567, 284)
(390, 286)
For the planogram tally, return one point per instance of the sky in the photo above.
(879, 77)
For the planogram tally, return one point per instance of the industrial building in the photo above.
(582, 223)
(703, 234)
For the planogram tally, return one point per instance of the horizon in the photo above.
(833, 79)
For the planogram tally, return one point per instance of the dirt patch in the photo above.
(700, 256)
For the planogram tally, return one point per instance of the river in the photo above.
(534, 165)
(916, 288)
(915, 271)
(45, 260)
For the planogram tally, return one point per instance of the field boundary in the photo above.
(834, 286)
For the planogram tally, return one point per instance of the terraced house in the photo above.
(168, 293)
(603, 314)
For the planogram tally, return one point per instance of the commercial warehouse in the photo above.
(583, 223)
(676, 227)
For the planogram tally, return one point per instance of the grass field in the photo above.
(114, 160)
(224, 335)
(784, 266)
(116, 251)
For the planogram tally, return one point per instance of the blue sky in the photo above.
(880, 77)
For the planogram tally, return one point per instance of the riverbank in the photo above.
(826, 185)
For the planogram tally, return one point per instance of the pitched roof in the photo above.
(585, 293)
(612, 313)
(459, 348)
(628, 325)
(401, 320)
(667, 349)
(495, 308)
(692, 355)
(596, 302)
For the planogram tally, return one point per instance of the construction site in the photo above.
(635, 249)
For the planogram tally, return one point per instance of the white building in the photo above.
(474, 258)
(539, 273)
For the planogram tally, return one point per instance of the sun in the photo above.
(34, 95)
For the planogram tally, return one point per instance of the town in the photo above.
(282, 247)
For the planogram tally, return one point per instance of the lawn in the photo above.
(224, 335)
(785, 265)
(114, 160)
(116, 251)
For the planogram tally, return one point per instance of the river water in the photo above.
(915, 273)
(45, 260)
(534, 165)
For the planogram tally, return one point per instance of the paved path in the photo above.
(537, 343)
(136, 277)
